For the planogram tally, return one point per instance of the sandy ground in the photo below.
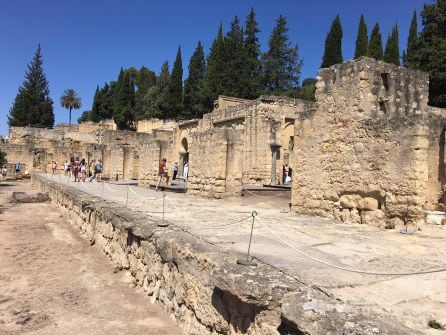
(413, 299)
(53, 282)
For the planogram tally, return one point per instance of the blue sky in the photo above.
(85, 42)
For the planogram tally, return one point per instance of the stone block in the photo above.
(368, 204)
(373, 218)
(349, 201)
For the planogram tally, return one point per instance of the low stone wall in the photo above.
(201, 286)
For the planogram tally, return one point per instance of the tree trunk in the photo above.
(69, 120)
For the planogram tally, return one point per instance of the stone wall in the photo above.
(202, 287)
(361, 155)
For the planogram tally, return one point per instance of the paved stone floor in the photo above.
(280, 237)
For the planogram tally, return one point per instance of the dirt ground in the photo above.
(54, 282)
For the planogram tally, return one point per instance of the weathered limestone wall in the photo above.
(361, 156)
(207, 163)
(200, 286)
(147, 126)
(436, 159)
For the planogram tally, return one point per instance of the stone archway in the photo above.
(184, 155)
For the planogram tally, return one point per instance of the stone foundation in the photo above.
(200, 285)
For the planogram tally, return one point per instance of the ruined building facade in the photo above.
(369, 150)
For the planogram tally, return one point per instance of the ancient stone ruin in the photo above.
(369, 150)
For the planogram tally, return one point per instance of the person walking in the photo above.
(53, 167)
(162, 173)
(175, 170)
(98, 170)
(186, 171)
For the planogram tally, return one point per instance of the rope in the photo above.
(258, 195)
(344, 268)
(142, 197)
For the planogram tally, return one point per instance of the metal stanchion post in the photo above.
(127, 199)
(163, 223)
(406, 223)
(248, 261)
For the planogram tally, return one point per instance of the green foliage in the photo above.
(124, 102)
(431, 50)
(362, 40)
(70, 100)
(375, 45)
(145, 79)
(252, 71)
(175, 89)
(3, 159)
(333, 45)
(215, 76)
(434, 324)
(85, 116)
(234, 60)
(194, 94)
(155, 100)
(281, 63)
(410, 57)
(33, 105)
(392, 51)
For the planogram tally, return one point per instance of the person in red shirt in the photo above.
(162, 173)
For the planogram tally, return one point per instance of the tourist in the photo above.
(53, 167)
(98, 170)
(17, 167)
(65, 167)
(185, 171)
(4, 171)
(162, 173)
(83, 169)
(283, 174)
(71, 167)
(175, 170)
(91, 173)
(77, 166)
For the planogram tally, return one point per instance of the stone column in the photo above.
(274, 149)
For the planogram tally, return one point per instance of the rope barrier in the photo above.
(258, 195)
(344, 268)
(144, 199)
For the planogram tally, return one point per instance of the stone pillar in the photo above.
(274, 149)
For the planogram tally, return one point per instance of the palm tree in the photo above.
(70, 100)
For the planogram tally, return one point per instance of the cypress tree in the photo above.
(410, 58)
(33, 105)
(215, 70)
(375, 45)
(234, 60)
(362, 40)
(281, 63)
(194, 99)
(107, 100)
(333, 45)
(123, 111)
(95, 114)
(431, 50)
(175, 88)
(252, 71)
(392, 51)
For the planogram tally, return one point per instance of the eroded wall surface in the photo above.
(361, 155)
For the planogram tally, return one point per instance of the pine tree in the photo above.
(392, 51)
(234, 60)
(252, 70)
(144, 81)
(215, 70)
(33, 105)
(410, 57)
(175, 88)
(281, 63)
(333, 45)
(362, 40)
(431, 51)
(375, 45)
(194, 99)
(155, 102)
(123, 112)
